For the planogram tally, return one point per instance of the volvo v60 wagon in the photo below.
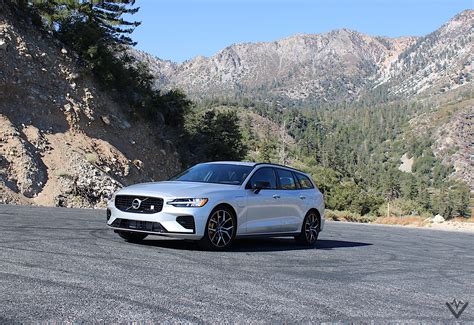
(215, 203)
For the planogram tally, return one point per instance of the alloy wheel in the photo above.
(311, 228)
(220, 228)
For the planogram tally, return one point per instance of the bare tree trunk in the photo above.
(283, 144)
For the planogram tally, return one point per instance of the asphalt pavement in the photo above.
(63, 265)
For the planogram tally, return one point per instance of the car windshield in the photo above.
(215, 173)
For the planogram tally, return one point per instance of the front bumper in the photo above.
(164, 223)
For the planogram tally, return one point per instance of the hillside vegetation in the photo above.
(354, 151)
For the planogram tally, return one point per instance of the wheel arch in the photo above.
(230, 207)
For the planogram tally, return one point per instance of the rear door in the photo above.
(264, 209)
(292, 204)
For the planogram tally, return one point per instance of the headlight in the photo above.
(187, 203)
(112, 198)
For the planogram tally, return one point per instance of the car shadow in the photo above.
(257, 244)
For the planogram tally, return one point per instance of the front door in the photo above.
(264, 210)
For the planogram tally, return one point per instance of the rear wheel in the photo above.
(132, 237)
(310, 229)
(220, 229)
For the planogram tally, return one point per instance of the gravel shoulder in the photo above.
(455, 226)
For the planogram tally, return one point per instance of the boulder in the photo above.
(138, 163)
(438, 219)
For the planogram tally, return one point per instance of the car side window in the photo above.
(285, 177)
(263, 175)
(304, 181)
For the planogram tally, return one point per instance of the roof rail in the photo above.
(278, 165)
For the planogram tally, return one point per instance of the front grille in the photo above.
(138, 225)
(138, 204)
(186, 221)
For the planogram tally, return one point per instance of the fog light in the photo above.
(109, 214)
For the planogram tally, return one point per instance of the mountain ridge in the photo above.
(337, 65)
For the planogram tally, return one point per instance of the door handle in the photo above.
(302, 197)
(276, 196)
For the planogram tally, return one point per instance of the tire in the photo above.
(310, 229)
(132, 237)
(221, 227)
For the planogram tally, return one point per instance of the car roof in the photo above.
(280, 166)
(253, 164)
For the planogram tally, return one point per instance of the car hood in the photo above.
(175, 189)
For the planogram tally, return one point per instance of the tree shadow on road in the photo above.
(257, 244)
(332, 244)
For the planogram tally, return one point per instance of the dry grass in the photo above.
(62, 173)
(416, 221)
(401, 221)
(461, 219)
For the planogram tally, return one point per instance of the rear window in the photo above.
(304, 181)
(285, 177)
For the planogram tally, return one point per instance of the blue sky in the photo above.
(178, 30)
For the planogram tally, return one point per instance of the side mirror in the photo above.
(259, 185)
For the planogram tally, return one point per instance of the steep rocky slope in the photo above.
(450, 124)
(454, 144)
(63, 141)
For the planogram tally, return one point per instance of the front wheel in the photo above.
(132, 237)
(220, 229)
(310, 229)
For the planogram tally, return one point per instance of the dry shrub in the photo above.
(347, 216)
(461, 219)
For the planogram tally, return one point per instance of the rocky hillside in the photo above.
(340, 64)
(63, 141)
(436, 63)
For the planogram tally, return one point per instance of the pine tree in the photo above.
(105, 17)
(216, 136)
(265, 151)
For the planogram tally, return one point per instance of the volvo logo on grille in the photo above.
(136, 204)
